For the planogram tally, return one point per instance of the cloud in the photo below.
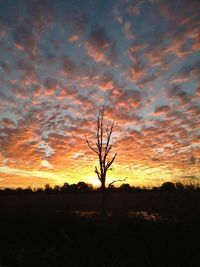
(107, 82)
(78, 25)
(147, 79)
(190, 70)
(117, 15)
(25, 66)
(51, 86)
(198, 91)
(25, 40)
(135, 10)
(7, 123)
(137, 71)
(13, 177)
(161, 110)
(194, 110)
(128, 31)
(176, 92)
(69, 67)
(123, 116)
(127, 98)
(40, 15)
(73, 38)
(98, 45)
(79, 22)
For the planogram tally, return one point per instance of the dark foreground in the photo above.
(51, 231)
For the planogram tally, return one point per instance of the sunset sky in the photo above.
(61, 60)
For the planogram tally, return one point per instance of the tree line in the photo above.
(82, 187)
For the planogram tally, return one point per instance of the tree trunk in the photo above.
(103, 199)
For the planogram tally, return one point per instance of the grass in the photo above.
(39, 230)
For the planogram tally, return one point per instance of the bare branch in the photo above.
(107, 129)
(110, 162)
(90, 146)
(108, 149)
(115, 181)
(100, 139)
(98, 173)
(109, 133)
(98, 127)
(101, 126)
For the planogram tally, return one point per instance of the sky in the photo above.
(60, 61)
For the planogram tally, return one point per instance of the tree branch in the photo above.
(115, 181)
(98, 173)
(101, 126)
(109, 133)
(110, 162)
(90, 146)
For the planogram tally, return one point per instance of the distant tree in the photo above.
(111, 188)
(73, 188)
(56, 188)
(39, 190)
(9, 191)
(65, 187)
(19, 190)
(83, 187)
(125, 188)
(190, 187)
(179, 186)
(168, 187)
(155, 188)
(48, 189)
(136, 189)
(28, 190)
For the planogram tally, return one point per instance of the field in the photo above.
(141, 229)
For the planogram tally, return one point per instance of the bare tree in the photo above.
(103, 148)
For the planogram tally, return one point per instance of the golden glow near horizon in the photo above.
(139, 58)
(136, 175)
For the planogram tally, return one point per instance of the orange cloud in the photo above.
(73, 38)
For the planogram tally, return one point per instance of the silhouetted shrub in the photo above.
(180, 186)
(48, 189)
(125, 188)
(84, 188)
(57, 189)
(168, 187)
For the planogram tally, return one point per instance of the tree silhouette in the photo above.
(84, 188)
(168, 187)
(102, 148)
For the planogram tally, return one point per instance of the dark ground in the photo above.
(38, 230)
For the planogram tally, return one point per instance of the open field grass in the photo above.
(183, 205)
(42, 230)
